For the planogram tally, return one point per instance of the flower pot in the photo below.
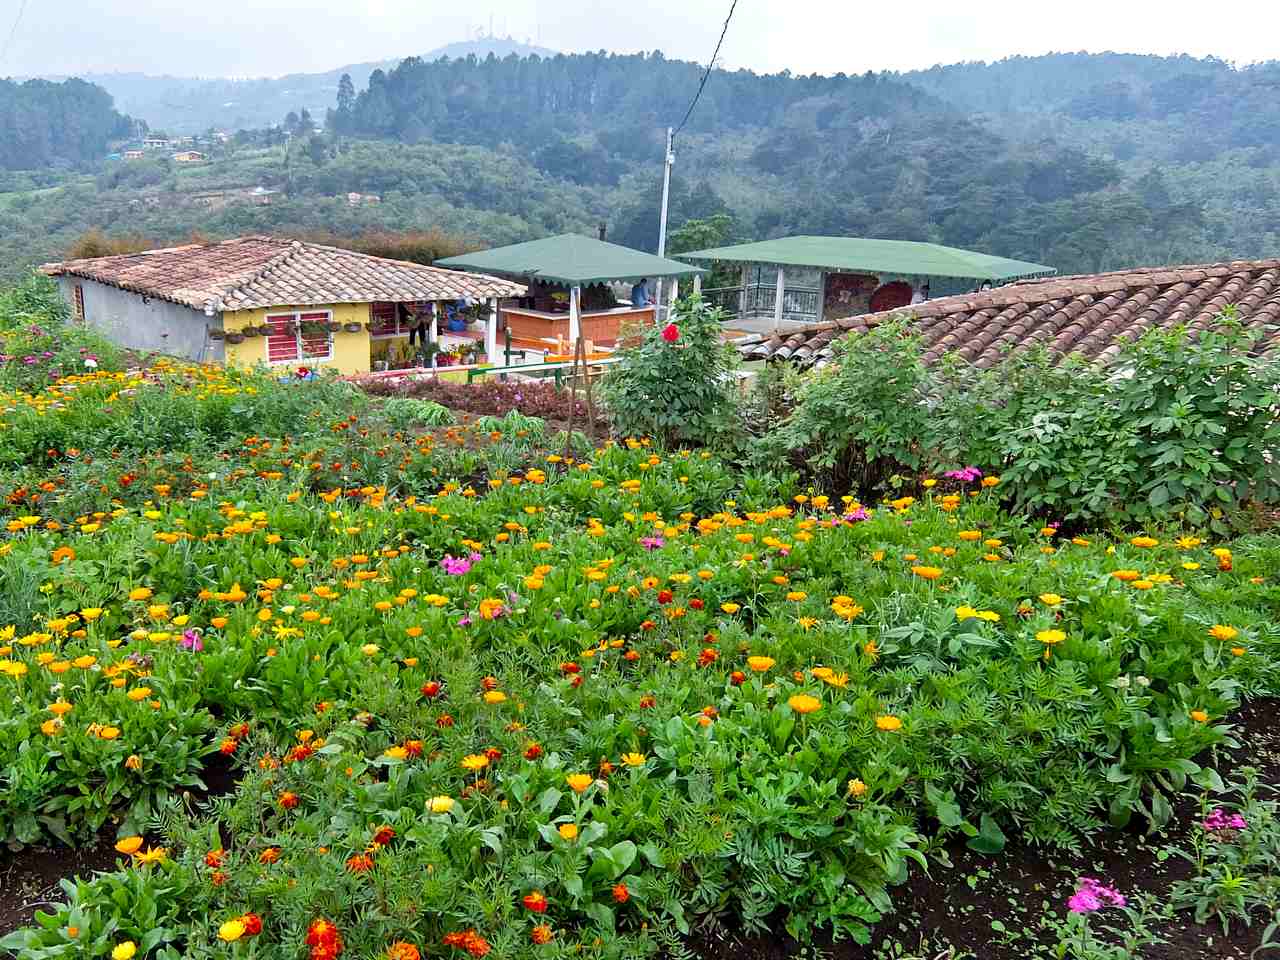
(235, 338)
(215, 334)
(352, 327)
(333, 326)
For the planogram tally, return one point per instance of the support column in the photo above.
(575, 325)
(777, 304)
(491, 333)
(433, 331)
(697, 283)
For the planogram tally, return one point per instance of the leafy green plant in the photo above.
(675, 384)
(405, 413)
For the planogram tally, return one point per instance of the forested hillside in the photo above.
(1085, 162)
(67, 124)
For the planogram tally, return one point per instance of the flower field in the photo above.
(488, 694)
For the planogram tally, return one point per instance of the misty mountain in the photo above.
(189, 105)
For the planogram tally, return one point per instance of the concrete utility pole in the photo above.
(669, 159)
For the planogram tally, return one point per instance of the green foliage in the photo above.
(862, 418)
(407, 413)
(675, 392)
(1176, 425)
(67, 124)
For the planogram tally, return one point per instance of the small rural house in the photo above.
(134, 154)
(267, 300)
(189, 156)
(1086, 316)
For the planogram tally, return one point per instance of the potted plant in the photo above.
(215, 333)
(354, 327)
(333, 326)
(235, 338)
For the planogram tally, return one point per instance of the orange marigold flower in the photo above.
(620, 893)
(541, 934)
(403, 950)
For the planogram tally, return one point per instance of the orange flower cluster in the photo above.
(324, 940)
(469, 941)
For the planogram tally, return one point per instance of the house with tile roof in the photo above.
(1087, 316)
(276, 301)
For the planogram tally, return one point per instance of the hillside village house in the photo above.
(266, 300)
(189, 156)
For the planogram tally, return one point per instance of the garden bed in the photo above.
(495, 397)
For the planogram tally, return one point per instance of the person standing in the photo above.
(640, 295)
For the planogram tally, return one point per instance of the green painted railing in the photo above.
(556, 368)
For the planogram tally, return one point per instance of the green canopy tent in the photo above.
(884, 260)
(573, 261)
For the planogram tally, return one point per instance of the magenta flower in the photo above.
(1219, 821)
(191, 641)
(652, 543)
(457, 566)
(854, 516)
(964, 475)
(1093, 895)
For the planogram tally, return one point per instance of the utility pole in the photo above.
(669, 158)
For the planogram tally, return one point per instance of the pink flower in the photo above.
(1219, 821)
(652, 543)
(457, 566)
(1093, 895)
(671, 333)
(191, 641)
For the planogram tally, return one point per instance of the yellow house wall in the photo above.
(350, 350)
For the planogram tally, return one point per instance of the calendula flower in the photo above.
(475, 762)
(568, 831)
(124, 950)
(129, 845)
(927, 573)
(231, 930)
(1050, 599)
(857, 788)
(151, 855)
(888, 723)
(1221, 632)
(1050, 637)
(579, 782)
(440, 804)
(802, 703)
(633, 759)
(760, 664)
(1200, 716)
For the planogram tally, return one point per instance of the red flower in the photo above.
(648, 701)
(665, 596)
(413, 748)
(228, 746)
(620, 893)
(535, 902)
(570, 668)
(707, 657)
(239, 731)
(469, 941)
(252, 924)
(324, 940)
(360, 863)
(576, 681)
(671, 333)
(403, 950)
(533, 751)
(289, 800)
(647, 625)
(383, 835)
(737, 678)
(540, 934)
(493, 753)
(431, 689)
(444, 720)
(217, 878)
(696, 604)
(214, 858)
(489, 683)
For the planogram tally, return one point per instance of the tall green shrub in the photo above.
(678, 390)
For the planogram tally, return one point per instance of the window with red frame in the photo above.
(79, 298)
(289, 342)
(384, 318)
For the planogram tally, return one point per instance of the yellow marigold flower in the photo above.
(151, 855)
(1199, 716)
(1050, 637)
(125, 950)
(440, 804)
(138, 694)
(568, 831)
(802, 703)
(140, 593)
(1144, 542)
(91, 613)
(84, 662)
(990, 481)
(857, 788)
(475, 762)
(633, 759)
(495, 697)
(1126, 576)
(760, 664)
(1222, 553)
(888, 723)
(1190, 565)
(993, 543)
(134, 763)
(965, 612)
(1237, 651)
(730, 608)
(579, 782)
(821, 672)
(795, 596)
(109, 733)
(231, 931)
(59, 708)
(838, 680)
(969, 535)
(396, 753)
(1187, 543)
(1050, 599)
(51, 727)
(1221, 632)
(1142, 584)
(129, 845)
(927, 573)
(369, 649)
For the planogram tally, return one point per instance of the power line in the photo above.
(13, 31)
(707, 75)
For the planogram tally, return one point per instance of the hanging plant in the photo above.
(333, 326)
(353, 327)
(235, 338)
(215, 333)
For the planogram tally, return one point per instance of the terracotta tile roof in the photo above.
(251, 272)
(1088, 315)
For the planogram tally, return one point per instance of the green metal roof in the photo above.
(570, 259)
(896, 257)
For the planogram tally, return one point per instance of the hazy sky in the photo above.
(273, 37)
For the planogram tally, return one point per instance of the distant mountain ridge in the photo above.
(187, 105)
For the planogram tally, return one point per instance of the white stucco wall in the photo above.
(145, 323)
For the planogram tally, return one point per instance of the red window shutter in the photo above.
(316, 346)
(282, 344)
(382, 316)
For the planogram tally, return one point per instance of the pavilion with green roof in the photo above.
(559, 270)
(819, 278)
